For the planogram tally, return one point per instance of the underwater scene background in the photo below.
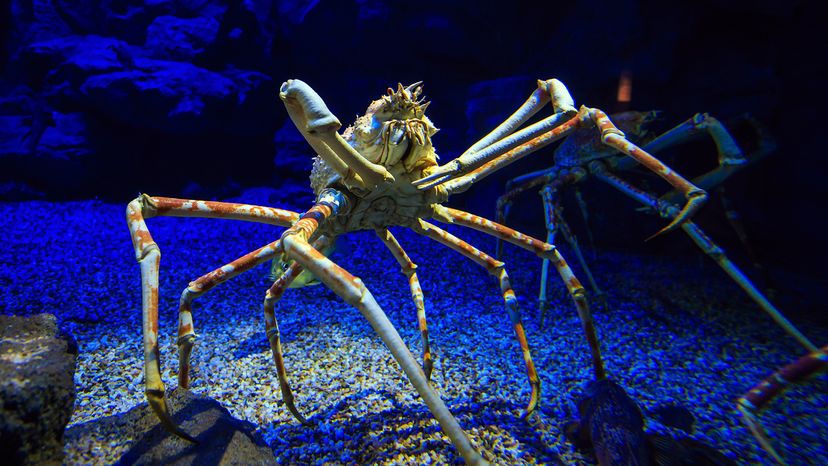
(101, 100)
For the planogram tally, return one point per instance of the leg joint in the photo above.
(186, 340)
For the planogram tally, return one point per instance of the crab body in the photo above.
(585, 145)
(396, 134)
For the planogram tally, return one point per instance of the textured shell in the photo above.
(394, 130)
(585, 144)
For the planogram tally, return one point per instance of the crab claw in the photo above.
(440, 175)
(159, 404)
(695, 200)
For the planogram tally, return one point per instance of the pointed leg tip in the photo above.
(158, 403)
(302, 419)
(533, 401)
(185, 436)
(681, 218)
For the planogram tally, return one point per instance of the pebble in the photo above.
(361, 407)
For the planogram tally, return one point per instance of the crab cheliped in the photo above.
(382, 172)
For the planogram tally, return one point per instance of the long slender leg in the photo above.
(613, 137)
(149, 257)
(707, 245)
(730, 156)
(554, 222)
(542, 250)
(572, 240)
(548, 196)
(731, 159)
(582, 205)
(409, 268)
(205, 283)
(752, 402)
(515, 188)
(498, 141)
(497, 269)
(354, 292)
(464, 182)
(274, 293)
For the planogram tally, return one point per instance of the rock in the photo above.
(223, 440)
(37, 365)
(119, 80)
(43, 147)
(179, 97)
(34, 20)
(182, 39)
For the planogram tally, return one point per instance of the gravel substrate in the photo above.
(676, 331)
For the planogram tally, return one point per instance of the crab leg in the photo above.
(273, 295)
(613, 137)
(319, 127)
(706, 244)
(496, 269)
(551, 230)
(542, 250)
(149, 257)
(555, 221)
(493, 145)
(409, 268)
(354, 292)
(205, 283)
(731, 157)
(582, 205)
(755, 400)
(731, 160)
(515, 188)
(464, 182)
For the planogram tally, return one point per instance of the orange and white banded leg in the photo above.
(544, 251)
(752, 402)
(409, 268)
(272, 296)
(497, 269)
(353, 291)
(274, 293)
(149, 256)
(205, 283)
(613, 137)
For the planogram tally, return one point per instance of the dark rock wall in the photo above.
(108, 98)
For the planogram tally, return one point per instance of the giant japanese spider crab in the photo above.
(382, 171)
(584, 155)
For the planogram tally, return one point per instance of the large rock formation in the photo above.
(223, 440)
(37, 391)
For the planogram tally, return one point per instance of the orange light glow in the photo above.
(625, 86)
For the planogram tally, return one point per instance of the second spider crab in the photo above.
(381, 172)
